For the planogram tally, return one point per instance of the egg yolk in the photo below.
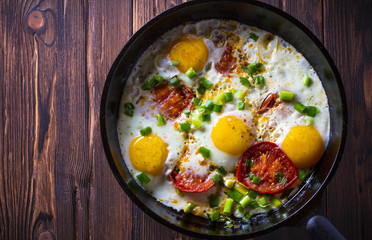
(190, 52)
(232, 135)
(148, 154)
(304, 146)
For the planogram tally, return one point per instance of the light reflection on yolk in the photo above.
(190, 52)
(304, 146)
(148, 154)
(232, 135)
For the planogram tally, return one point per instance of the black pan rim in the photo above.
(107, 147)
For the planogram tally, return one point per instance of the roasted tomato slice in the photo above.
(190, 182)
(270, 164)
(268, 102)
(227, 62)
(172, 101)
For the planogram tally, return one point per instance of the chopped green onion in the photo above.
(276, 202)
(242, 190)
(246, 217)
(241, 209)
(201, 90)
(251, 175)
(260, 80)
(229, 183)
(311, 111)
(245, 201)
(241, 94)
(152, 82)
(220, 99)
(245, 81)
(217, 108)
(202, 109)
(129, 109)
(280, 178)
(256, 180)
(300, 107)
(206, 117)
(216, 178)
(206, 83)
(309, 121)
(241, 106)
(221, 171)
(263, 202)
(228, 96)
(161, 120)
(197, 101)
(307, 81)
(175, 63)
(175, 82)
(214, 215)
(214, 201)
(205, 152)
(302, 174)
(249, 163)
(191, 73)
(209, 104)
(252, 194)
(143, 178)
(253, 36)
(254, 204)
(189, 207)
(234, 194)
(256, 67)
(196, 119)
(145, 131)
(286, 95)
(187, 111)
(185, 126)
(245, 69)
(228, 205)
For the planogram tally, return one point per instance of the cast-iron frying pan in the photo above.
(251, 13)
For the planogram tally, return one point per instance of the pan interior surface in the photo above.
(251, 13)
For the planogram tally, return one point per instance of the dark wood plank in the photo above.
(348, 36)
(109, 26)
(28, 122)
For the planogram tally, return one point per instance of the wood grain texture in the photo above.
(54, 57)
(348, 37)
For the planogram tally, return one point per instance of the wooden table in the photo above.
(54, 57)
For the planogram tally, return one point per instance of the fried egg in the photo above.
(215, 51)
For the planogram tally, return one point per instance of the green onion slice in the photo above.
(221, 171)
(234, 194)
(256, 180)
(214, 215)
(206, 117)
(175, 82)
(311, 111)
(217, 108)
(191, 73)
(245, 81)
(175, 63)
(216, 178)
(286, 95)
(197, 101)
(253, 36)
(206, 83)
(256, 67)
(209, 104)
(201, 90)
(189, 207)
(300, 107)
(252, 194)
(228, 205)
(228, 96)
(152, 82)
(205, 152)
(307, 81)
(302, 174)
(241, 106)
(146, 131)
(161, 120)
(129, 109)
(260, 80)
(143, 178)
(185, 126)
